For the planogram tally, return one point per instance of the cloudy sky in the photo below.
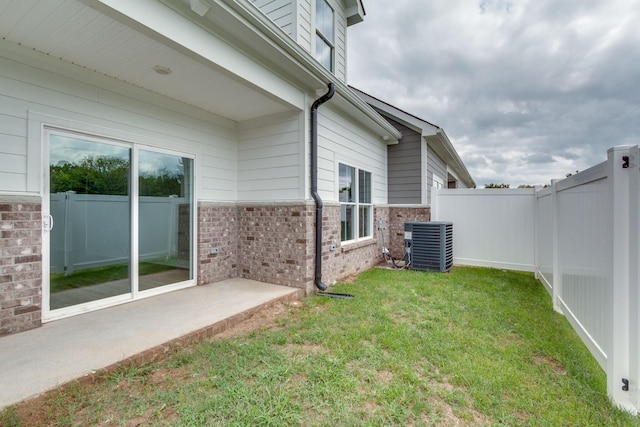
(527, 90)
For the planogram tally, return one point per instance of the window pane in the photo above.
(323, 53)
(364, 179)
(364, 216)
(324, 19)
(347, 222)
(347, 189)
(324, 34)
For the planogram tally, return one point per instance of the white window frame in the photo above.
(357, 204)
(327, 39)
(438, 183)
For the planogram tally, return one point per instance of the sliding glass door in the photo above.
(111, 237)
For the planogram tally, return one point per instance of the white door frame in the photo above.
(50, 315)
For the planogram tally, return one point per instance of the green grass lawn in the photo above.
(471, 347)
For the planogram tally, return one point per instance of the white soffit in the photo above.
(79, 34)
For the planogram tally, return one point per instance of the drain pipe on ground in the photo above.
(314, 183)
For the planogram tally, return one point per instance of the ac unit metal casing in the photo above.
(429, 245)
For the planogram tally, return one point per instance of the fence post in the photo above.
(70, 207)
(557, 274)
(536, 232)
(619, 383)
(634, 276)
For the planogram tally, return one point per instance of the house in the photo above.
(154, 145)
(423, 159)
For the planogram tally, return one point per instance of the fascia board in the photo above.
(344, 101)
(414, 123)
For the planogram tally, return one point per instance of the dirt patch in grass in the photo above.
(266, 318)
(461, 414)
(555, 365)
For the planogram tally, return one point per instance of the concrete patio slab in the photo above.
(38, 360)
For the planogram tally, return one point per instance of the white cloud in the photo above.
(526, 90)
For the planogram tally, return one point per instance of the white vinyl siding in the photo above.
(13, 148)
(342, 140)
(31, 96)
(340, 67)
(270, 162)
(304, 24)
(280, 12)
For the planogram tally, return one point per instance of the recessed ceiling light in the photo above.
(162, 70)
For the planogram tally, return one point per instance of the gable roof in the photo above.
(433, 134)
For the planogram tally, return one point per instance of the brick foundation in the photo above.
(275, 243)
(217, 228)
(398, 215)
(20, 267)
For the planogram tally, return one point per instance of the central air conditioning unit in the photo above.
(429, 245)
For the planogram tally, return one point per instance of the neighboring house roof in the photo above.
(433, 134)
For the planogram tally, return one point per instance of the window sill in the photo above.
(357, 245)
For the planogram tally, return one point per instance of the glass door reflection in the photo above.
(164, 219)
(90, 203)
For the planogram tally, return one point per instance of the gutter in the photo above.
(314, 182)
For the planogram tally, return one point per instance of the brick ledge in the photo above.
(358, 245)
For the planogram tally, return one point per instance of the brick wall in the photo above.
(398, 215)
(381, 214)
(20, 267)
(353, 258)
(276, 243)
(217, 228)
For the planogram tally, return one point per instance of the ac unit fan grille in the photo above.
(430, 245)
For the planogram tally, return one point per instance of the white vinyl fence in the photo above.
(491, 228)
(92, 230)
(581, 238)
